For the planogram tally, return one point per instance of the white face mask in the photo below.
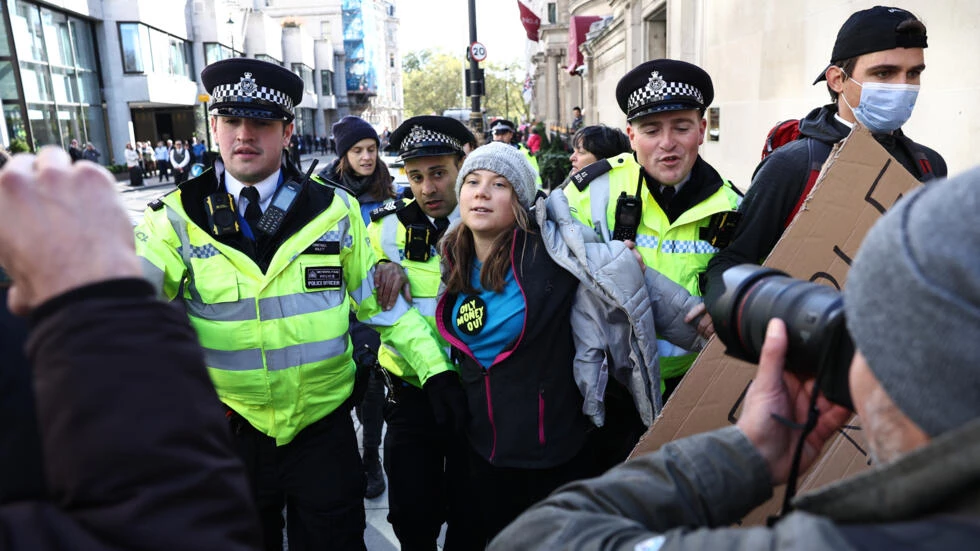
(884, 108)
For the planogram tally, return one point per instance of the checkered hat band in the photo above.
(671, 90)
(427, 138)
(232, 93)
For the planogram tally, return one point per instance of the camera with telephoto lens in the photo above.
(819, 345)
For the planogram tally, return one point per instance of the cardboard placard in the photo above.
(857, 184)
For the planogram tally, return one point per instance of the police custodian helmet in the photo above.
(252, 89)
(429, 136)
(664, 85)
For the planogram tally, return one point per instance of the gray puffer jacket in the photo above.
(618, 313)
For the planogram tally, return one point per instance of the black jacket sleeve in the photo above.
(776, 187)
(137, 453)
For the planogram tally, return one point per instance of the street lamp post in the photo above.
(231, 30)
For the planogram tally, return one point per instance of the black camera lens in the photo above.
(814, 317)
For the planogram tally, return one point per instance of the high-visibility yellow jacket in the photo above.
(387, 234)
(676, 249)
(276, 342)
(534, 162)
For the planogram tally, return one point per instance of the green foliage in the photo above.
(433, 82)
(553, 162)
(117, 169)
(18, 145)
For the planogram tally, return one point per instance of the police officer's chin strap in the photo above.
(812, 416)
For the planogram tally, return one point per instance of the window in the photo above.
(148, 50)
(324, 29)
(306, 74)
(391, 60)
(552, 12)
(214, 51)
(326, 83)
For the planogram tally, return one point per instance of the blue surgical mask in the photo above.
(884, 108)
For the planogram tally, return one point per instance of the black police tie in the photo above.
(441, 225)
(667, 194)
(253, 211)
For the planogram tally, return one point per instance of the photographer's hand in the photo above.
(776, 392)
(63, 227)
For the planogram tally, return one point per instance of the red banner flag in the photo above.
(530, 21)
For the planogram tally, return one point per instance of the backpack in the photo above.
(817, 152)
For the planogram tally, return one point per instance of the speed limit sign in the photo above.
(478, 52)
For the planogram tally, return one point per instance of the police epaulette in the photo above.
(390, 207)
(584, 177)
(157, 203)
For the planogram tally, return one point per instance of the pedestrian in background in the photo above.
(149, 164)
(133, 164)
(162, 161)
(180, 160)
(75, 152)
(91, 153)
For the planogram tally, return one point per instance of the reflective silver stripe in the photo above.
(153, 274)
(689, 247)
(665, 348)
(365, 289)
(389, 238)
(241, 310)
(387, 319)
(426, 306)
(234, 360)
(180, 227)
(599, 200)
(300, 303)
(308, 352)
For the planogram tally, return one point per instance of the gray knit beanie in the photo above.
(506, 160)
(912, 303)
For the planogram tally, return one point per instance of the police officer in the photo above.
(425, 462)
(664, 196)
(504, 131)
(265, 263)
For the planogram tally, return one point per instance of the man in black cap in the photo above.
(664, 197)
(873, 78)
(504, 131)
(424, 458)
(266, 262)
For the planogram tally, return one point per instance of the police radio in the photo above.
(629, 208)
(222, 219)
(417, 242)
(282, 201)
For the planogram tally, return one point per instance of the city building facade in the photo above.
(762, 56)
(114, 71)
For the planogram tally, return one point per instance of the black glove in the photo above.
(448, 401)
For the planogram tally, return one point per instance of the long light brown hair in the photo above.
(458, 252)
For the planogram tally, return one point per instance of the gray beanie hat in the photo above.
(506, 160)
(912, 303)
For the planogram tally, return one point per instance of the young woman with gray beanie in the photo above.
(507, 312)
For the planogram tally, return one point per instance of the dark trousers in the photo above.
(135, 176)
(180, 175)
(427, 482)
(318, 479)
(370, 412)
(164, 167)
(501, 494)
(616, 438)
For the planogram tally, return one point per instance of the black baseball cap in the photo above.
(664, 85)
(873, 30)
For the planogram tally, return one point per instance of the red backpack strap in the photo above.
(817, 153)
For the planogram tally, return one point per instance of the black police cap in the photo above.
(429, 136)
(252, 89)
(664, 85)
(502, 125)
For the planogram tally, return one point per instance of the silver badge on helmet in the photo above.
(656, 85)
(247, 85)
(418, 134)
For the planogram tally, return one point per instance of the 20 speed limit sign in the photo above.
(478, 52)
